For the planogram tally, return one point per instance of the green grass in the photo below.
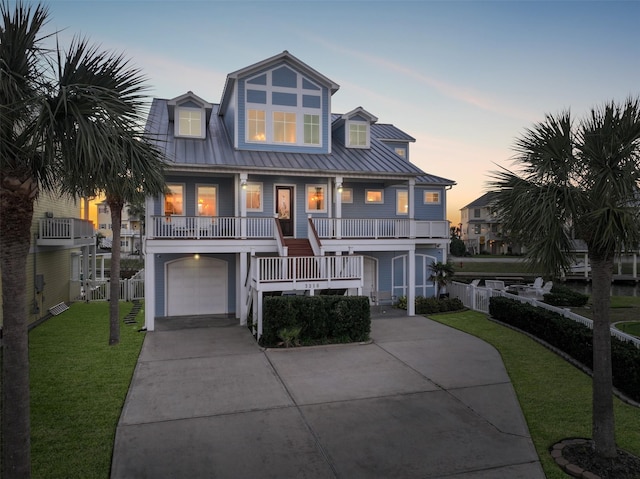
(623, 308)
(630, 328)
(497, 267)
(555, 397)
(78, 387)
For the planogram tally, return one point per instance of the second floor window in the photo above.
(174, 200)
(254, 197)
(316, 198)
(207, 201)
(476, 213)
(402, 202)
(373, 196)
(431, 197)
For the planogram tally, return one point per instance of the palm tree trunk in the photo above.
(603, 421)
(115, 205)
(17, 196)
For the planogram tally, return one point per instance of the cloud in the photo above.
(464, 95)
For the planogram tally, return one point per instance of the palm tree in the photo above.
(579, 181)
(441, 274)
(69, 117)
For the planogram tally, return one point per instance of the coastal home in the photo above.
(130, 228)
(62, 252)
(481, 230)
(269, 192)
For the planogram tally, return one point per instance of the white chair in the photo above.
(546, 288)
(537, 284)
(495, 284)
(475, 282)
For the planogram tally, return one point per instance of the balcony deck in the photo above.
(211, 227)
(65, 232)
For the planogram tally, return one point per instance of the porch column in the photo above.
(243, 205)
(338, 217)
(635, 265)
(242, 288)
(149, 291)
(411, 212)
(85, 272)
(411, 282)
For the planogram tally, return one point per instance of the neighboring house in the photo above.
(481, 231)
(130, 232)
(271, 193)
(61, 254)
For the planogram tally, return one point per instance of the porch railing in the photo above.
(375, 228)
(64, 228)
(210, 227)
(477, 298)
(304, 269)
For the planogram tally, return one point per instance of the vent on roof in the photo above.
(58, 308)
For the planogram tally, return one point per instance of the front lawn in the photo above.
(555, 396)
(78, 387)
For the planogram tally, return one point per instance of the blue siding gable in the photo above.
(304, 97)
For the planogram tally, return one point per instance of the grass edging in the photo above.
(78, 387)
(554, 395)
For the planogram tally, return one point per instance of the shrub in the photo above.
(563, 296)
(321, 319)
(574, 338)
(432, 305)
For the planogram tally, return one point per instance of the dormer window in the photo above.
(190, 122)
(190, 115)
(358, 134)
(357, 128)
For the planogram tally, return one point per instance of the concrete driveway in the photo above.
(420, 401)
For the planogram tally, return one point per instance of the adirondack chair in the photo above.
(495, 284)
(546, 288)
(537, 284)
(475, 282)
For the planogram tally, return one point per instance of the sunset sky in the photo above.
(465, 78)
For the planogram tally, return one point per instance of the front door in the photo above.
(284, 209)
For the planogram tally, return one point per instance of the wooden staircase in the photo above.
(298, 247)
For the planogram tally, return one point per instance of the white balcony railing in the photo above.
(62, 231)
(305, 269)
(210, 227)
(375, 228)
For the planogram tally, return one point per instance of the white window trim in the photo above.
(424, 197)
(184, 199)
(347, 133)
(261, 185)
(325, 189)
(381, 202)
(177, 122)
(398, 212)
(198, 185)
(269, 109)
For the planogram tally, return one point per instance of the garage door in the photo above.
(196, 286)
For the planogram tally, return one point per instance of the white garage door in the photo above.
(196, 286)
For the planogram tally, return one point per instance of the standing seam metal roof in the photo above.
(217, 150)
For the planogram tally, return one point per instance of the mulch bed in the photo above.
(577, 458)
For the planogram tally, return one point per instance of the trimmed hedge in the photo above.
(574, 338)
(563, 296)
(432, 305)
(323, 319)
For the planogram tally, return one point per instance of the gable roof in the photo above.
(481, 202)
(216, 151)
(286, 57)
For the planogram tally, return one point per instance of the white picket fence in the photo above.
(100, 290)
(477, 298)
